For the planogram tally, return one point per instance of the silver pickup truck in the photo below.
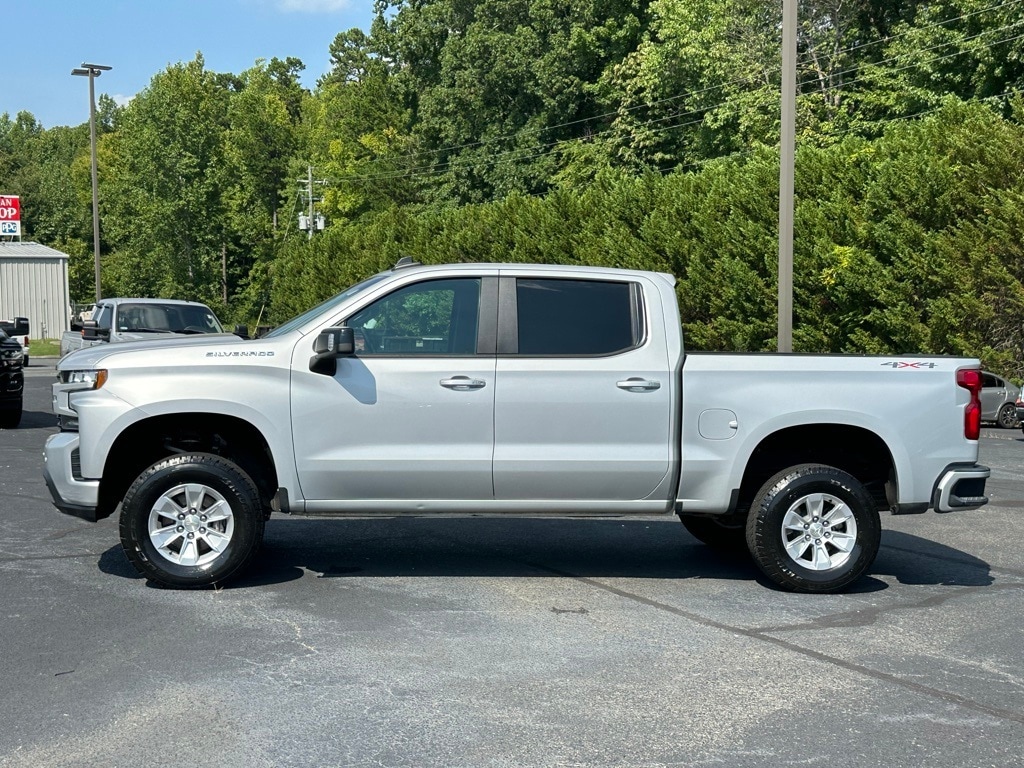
(483, 389)
(116, 320)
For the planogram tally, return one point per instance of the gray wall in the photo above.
(34, 284)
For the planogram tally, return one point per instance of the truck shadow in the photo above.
(557, 548)
(482, 548)
(37, 419)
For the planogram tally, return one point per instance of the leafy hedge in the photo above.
(906, 243)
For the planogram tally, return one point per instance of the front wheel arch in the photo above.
(147, 441)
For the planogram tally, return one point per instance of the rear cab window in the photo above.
(576, 318)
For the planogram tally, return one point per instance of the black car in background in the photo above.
(12, 381)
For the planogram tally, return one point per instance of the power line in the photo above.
(517, 155)
(921, 28)
(619, 112)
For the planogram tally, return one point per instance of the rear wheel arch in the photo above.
(855, 450)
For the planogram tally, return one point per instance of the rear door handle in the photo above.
(463, 383)
(636, 384)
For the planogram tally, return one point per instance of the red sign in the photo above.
(10, 215)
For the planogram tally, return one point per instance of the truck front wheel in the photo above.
(813, 528)
(191, 521)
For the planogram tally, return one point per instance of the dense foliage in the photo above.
(637, 133)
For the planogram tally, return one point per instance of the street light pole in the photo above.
(92, 71)
(787, 161)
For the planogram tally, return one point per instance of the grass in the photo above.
(44, 347)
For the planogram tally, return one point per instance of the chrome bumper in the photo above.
(961, 487)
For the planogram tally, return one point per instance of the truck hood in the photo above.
(92, 357)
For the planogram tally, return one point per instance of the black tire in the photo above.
(9, 419)
(204, 549)
(1007, 416)
(725, 533)
(841, 529)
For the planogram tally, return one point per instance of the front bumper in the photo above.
(12, 386)
(72, 494)
(961, 487)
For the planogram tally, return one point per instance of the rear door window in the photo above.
(569, 318)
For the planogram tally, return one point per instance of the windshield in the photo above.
(166, 318)
(325, 306)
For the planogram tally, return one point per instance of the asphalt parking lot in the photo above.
(491, 642)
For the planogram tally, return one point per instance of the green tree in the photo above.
(163, 197)
(259, 142)
(498, 86)
(358, 132)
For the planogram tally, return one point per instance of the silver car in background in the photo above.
(999, 401)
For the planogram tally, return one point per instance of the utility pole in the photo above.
(309, 192)
(311, 221)
(787, 163)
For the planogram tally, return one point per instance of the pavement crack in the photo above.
(760, 635)
(864, 617)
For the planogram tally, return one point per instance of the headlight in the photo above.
(87, 379)
(12, 354)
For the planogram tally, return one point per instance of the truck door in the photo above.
(583, 404)
(411, 414)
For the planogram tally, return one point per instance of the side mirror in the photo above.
(337, 342)
(330, 344)
(91, 330)
(241, 331)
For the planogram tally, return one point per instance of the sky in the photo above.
(41, 41)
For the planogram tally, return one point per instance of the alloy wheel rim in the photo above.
(191, 524)
(819, 532)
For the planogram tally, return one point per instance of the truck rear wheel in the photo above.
(191, 521)
(813, 528)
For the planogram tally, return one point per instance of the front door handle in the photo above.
(463, 383)
(636, 384)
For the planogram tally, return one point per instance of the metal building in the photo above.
(34, 284)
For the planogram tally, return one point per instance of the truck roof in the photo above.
(404, 265)
(126, 299)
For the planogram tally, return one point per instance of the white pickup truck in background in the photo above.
(115, 320)
(489, 389)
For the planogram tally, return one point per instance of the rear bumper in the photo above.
(961, 487)
(71, 494)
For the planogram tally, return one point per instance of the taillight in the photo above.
(970, 379)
